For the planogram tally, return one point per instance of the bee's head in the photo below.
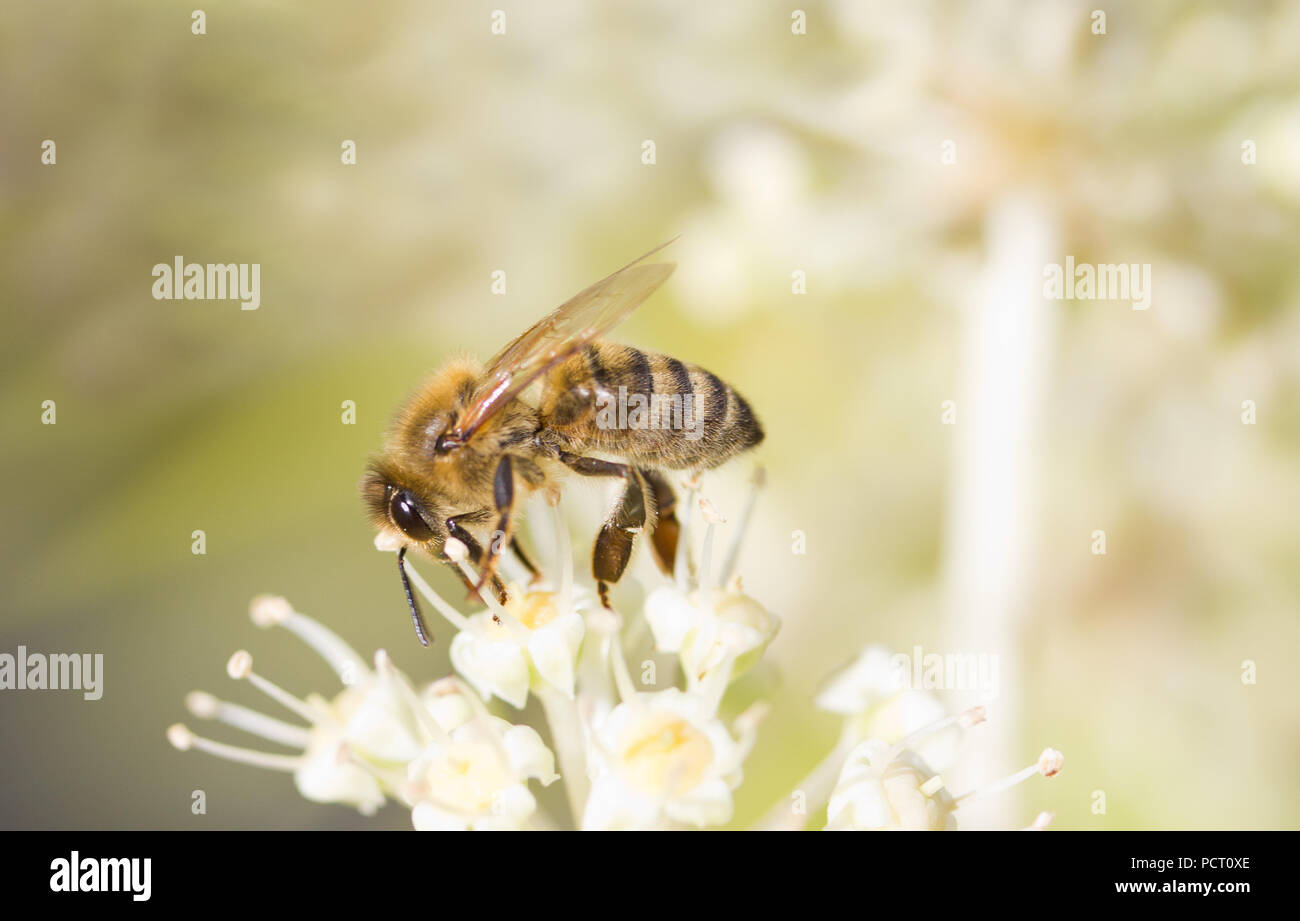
(393, 506)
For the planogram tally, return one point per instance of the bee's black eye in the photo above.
(405, 513)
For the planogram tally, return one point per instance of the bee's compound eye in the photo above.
(405, 513)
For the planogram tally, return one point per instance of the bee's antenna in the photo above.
(421, 628)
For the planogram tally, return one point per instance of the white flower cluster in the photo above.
(630, 759)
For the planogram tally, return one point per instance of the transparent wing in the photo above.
(571, 326)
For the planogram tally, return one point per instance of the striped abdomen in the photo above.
(653, 410)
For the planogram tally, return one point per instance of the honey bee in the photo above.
(467, 445)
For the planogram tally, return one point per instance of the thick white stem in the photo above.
(1007, 334)
(570, 747)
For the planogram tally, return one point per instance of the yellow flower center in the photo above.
(665, 755)
(535, 609)
(467, 777)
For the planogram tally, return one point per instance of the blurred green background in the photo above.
(775, 152)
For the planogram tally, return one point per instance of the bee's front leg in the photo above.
(503, 494)
(457, 530)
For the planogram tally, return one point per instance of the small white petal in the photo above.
(378, 723)
(671, 616)
(529, 755)
(428, 817)
(511, 808)
(873, 676)
(492, 666)
(553, 649)
(708, 804)
(322, 778)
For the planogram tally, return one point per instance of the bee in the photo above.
(468, 444)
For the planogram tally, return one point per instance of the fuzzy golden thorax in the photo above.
(448, 483)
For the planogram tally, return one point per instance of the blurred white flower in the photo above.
(880, 788)
(716, 632)
(661, 758)
(378, 737)
(871, 678)
(476, 777)
(874, 694)
(884, 787)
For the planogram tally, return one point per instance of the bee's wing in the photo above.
(555, 337)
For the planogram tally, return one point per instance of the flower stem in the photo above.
(570, 747)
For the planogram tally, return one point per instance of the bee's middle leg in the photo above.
(667, 529)
(613, 546)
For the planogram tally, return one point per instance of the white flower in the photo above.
(891, 787)
(710, 629)
(874, 693)
(505, 650)
(379, 737)
(716, 632)
(533, 641)
(871, 678)
(630, 759)
(880, 788)
(476, 778)
(663, 757)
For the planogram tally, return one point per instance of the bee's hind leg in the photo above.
(663, 541)
(614, 542)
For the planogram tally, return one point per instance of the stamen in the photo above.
(459, 554)
(751, 718)
(745, 726)
(207, 707)
(183, 739)
(563, 558)
(389, 673)
(712, 519)
(622, 678)
(683, 565)
(454, 617)
(389, 541)
(932, 786)
(1049, 764)
(733, 553)
(240, 667)
(966, 719)
(274, 611)
(1041, 821)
